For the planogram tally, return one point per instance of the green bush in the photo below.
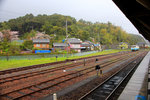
(73, 51)
(14, 49)
(28, 44)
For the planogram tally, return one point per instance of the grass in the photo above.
(4, 64)
(99, 53)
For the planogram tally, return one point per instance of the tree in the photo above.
(28, 44)
(47, 28)
(4, 26)
(30, 35)
(6, 35)
(14, 49)
(5, 47)
(106, 33)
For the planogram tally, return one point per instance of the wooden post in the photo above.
(101, 72)
(56, 58)
(7, 57)
(97, 71)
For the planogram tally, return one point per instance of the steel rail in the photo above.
(21, 76)
(52, 79)
(84, 96)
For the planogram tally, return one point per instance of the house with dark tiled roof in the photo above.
(41, 43)
(62, 46)
(87, 46)
(91, 44)
(74, 44)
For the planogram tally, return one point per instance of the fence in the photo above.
(45, 56)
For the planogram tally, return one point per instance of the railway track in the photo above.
(108, 90)
(31, 74)
(11, 77)
(61, 65)
(47, 85)
(44, 72)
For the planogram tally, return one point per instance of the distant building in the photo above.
(141, 44)
(74, 44)
(41, 43)
(91, 44)
(97, 47)
(87, 46)
(17, 42)
(62, 46)
(123, 45)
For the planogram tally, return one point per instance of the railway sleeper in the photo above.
(106, 88)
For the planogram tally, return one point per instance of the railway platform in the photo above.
(138, 87)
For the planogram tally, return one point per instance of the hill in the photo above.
(55, 25)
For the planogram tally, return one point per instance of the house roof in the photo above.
(60, 44)
(90, 42)
(73, 40)
(96, 45)
(41, 40)
(85, 45)
(17, 42)
(20, 41)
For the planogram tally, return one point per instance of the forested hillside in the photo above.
(55, 25)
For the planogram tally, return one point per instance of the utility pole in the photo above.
(97, 33)
(66, 35)
(98, 37)
(98, 41)
(66, 30)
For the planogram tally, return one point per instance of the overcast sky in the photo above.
(89, 10)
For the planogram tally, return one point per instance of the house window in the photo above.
(43, 45)
(37, 45)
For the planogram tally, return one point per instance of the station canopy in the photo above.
(138, 12)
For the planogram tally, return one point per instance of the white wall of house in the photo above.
(76, 47)
(79, 50)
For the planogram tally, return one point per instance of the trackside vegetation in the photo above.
(4, 64)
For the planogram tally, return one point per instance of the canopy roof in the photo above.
(138, 12)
